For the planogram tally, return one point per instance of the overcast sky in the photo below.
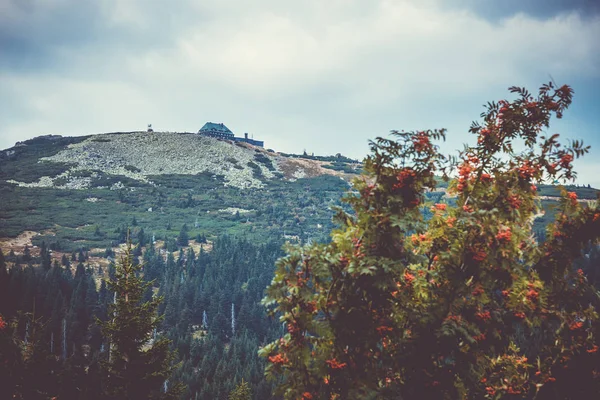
(325, 76)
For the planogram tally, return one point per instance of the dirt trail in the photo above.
(18, 244)
(294, 168)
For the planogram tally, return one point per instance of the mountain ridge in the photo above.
(67, 189)
(138, 155)
(83, 192)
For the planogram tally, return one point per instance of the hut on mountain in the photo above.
(215, 130)
(220, 131)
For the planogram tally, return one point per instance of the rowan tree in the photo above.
(466, 305)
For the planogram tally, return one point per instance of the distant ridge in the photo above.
(139, 155)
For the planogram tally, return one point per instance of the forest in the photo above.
(212, 315)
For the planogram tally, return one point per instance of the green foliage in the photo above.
(131, 168)
(39, 302)
(21, 162)
(336, 158)
(25, 362)
(344, 167)
(299, 208)
(213, 359)
(582, 192)
(183, 237)
(265, 160)
(256, 171)
(204, 180)
(464, 305)
(201, 288)
(241, 392)
(134, 371)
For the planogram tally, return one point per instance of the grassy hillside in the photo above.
(295, 198)
(36, 196)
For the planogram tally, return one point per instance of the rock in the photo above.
(138, 155)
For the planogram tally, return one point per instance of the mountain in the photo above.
(208, 218)
(74, 192)
(140, 156)
(81, 193)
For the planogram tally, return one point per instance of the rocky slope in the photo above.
(141, 155)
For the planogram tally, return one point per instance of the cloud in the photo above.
(32, 30)
(325, 76)
(540, 9)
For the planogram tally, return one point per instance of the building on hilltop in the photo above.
(253, 142)
(219, 131)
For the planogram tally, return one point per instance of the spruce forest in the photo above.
(408, 275)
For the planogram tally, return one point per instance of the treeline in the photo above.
(52, 346)
(213, 313)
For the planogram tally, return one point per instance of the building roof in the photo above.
(212, 127)
(253, 142)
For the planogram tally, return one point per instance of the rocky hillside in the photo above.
(141, 155)
(84, 192)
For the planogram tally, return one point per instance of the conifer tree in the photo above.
(241, 392)
(45, 257)
(137, 366)
(26, 254)
(183, 238)
(64, 261)
(4, 279)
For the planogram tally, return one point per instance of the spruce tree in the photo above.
(46, 259)
(241, 392)
(4, 278)
(137, 366)
(26, 254)
(183, 238)
(64, 261)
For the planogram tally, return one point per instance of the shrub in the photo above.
(132, 168)
(464, 306)
(256, 171)
(266, 161)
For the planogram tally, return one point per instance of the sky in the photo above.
(314, 75)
